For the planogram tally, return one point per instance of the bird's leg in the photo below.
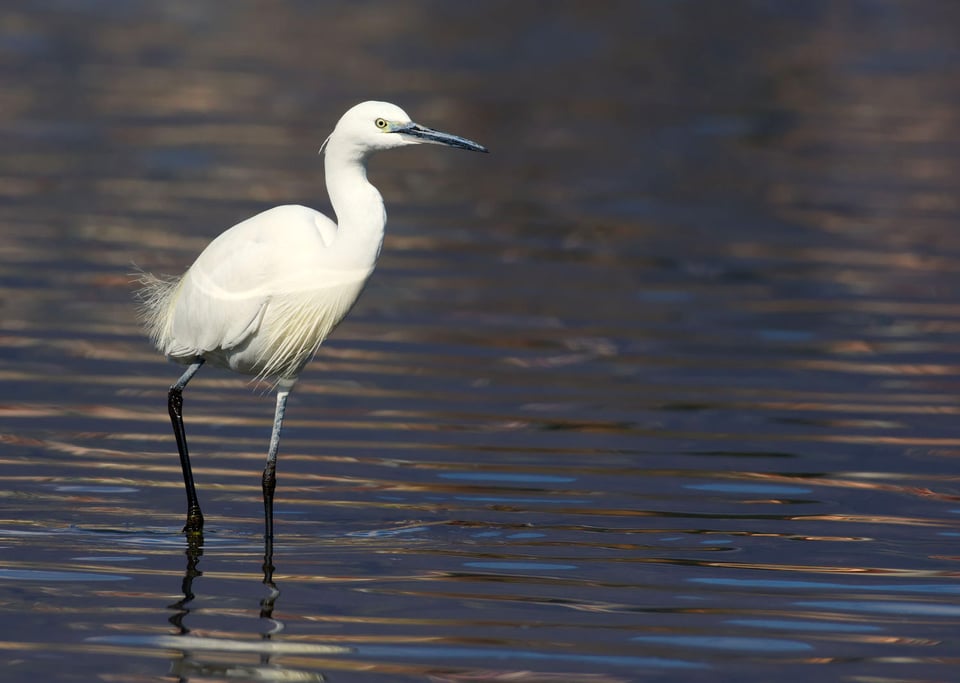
(270, 470)
(175, 407)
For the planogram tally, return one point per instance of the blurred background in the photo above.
(664, 388)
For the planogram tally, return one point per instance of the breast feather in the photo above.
(295, 324)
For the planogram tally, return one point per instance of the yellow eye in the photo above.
(380, 123)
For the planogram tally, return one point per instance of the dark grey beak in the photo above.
(436, 137)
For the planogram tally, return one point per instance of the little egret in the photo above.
(262, 297)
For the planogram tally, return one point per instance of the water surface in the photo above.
(664, 388)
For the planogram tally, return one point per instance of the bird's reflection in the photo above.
(224, 664)
(182, 606)
(270, 599)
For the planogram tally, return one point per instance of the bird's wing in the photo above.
(222, 298)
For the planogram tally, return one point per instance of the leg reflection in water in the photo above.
(182, 606)
(267, 603)
(225, 658)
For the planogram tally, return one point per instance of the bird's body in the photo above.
(263, 296)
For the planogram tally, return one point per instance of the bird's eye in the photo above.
(380, 123)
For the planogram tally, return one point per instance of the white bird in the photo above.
(263, 296)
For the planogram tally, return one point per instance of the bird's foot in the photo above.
(194, 523)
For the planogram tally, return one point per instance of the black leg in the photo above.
(269, 486)
(175, 406)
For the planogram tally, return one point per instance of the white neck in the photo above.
(361, 217)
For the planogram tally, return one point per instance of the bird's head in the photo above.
(371, 126)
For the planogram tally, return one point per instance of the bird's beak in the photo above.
(436, 137)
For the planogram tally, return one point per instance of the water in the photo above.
(664, 388)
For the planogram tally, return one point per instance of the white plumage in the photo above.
(263, 296)
(251, 307)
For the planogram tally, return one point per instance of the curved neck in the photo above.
(361, 217)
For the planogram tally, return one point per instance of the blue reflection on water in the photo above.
(729, 643)
(44, 575)
(899, 608)
(748, 488)
(797, 625)
(381, 533)
(507, 476)
(465, 653)
(95, 489)
(519, 565)
(935, 588)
